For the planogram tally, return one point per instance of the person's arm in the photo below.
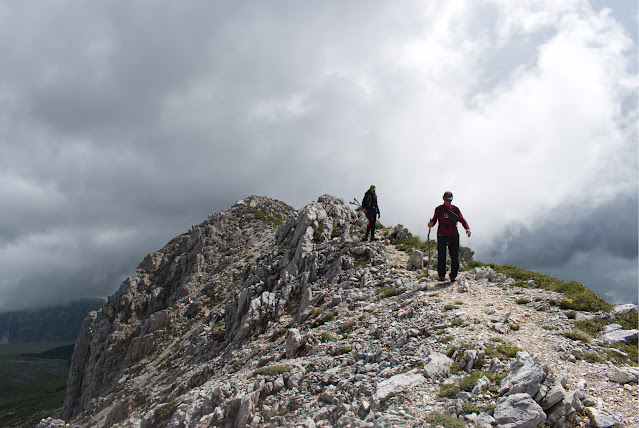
(433, 220)
(463, 221)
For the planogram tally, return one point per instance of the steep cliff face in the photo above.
(267, 316)
(185, 281)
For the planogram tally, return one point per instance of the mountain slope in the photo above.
(248, 320)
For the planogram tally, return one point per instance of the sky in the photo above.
(124, 123)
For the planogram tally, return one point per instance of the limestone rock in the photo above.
(416, 260)
(438, 365)
(601, 418)
(526, 375)
(518, 410)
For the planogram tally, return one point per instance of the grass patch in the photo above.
(443, 420)
(522, 301)
(456, 322)
(328, 317)
(446, 339)
(31, 388)
(279, 333)
(346, 349)
(508, 350)
(514, 327)
(578, 335)
(450, 307)
(272, 219)
(578, 297)
(274, 370)
(390, 291)
(468, 408)
(327, 337)
(550, 327)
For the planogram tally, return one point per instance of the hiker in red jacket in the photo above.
(447, 236)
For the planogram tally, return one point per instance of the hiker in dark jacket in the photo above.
(448, 215)
(371, 211)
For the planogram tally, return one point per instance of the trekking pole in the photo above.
(428, 266)
(354, 202)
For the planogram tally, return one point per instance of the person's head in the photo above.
(372, 189)
(448, 198)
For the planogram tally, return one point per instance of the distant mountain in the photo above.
(54, 324)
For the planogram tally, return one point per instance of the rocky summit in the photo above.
(267, 316)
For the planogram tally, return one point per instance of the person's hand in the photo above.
(468, 233)
(378, 216)
(364, 209)
(430, 224)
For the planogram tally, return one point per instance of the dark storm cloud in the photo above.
(123, 123)
(568, 230)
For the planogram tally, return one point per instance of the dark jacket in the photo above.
(448, 226)
(370, 203)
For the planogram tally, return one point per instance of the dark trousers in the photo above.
(372, 219)
(452, 242)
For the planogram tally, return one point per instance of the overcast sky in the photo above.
(124, 123)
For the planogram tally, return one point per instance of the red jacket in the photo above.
(448, 227)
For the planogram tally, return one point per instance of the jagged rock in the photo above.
(52, 423)
(625, 336)
(518, 410)
(624, 376)
(294, 341)
(397, 383)
(468, 360)
(484, 420)
(482, 384)
(526, 375)
(438, 365)
(416, 260)
(399, 233)
(241, 322)
(601, 418)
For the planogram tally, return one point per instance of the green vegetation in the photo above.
(578, 297)
(317, 232)
(390, 291)
(578, 335)
(413, 242)
(468, 408)
(444, 420)
(450, 307)
(466, 383)
(514, 327)
(446, 339)
(279, 333)
(344, 350)
(327, 337)
(456, 322)
(272, 219)
(164, 413)
(522, 301)
(328, 317)
(32, 386)
(274, 370)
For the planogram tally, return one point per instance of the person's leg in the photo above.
(373, 222)
(368, 228)
(453, 248)
(441, 257)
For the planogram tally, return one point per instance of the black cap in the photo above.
(448, 196)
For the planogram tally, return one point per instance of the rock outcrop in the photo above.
(268, 316)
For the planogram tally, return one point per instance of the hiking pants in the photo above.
(371, 215)
(452, 242)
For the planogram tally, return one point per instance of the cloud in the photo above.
(135, 121)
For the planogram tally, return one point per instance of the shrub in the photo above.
(456, 322)
(470, 408)
(330, 316)
(450, 307)
(522, 301)
(578, 297)
(279, 333)
(578, 335)
(446, 339)
(274, 370)
(344, 350)
(445, 421)
(327, 337)
(514, 327)
(390, 291)
(507, 349)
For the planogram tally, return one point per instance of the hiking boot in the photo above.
(441, 278)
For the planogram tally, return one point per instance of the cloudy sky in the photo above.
(124, 123)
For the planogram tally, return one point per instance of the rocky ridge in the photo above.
(267, 316)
